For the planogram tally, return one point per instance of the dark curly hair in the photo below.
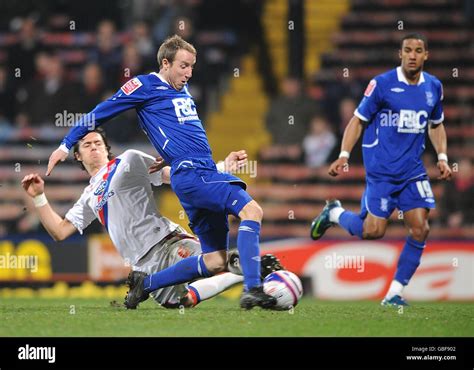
(416, 36)
(101, 132)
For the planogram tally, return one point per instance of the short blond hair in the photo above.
(170, 47)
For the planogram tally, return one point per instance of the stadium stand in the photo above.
(30, 41)
(290, 193)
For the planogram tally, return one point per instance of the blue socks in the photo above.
(351, 222)
(409, 260)
(193, 267)
(186, 270)
(249, 251)
(410, 257)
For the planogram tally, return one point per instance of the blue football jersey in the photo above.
(397, 115)
(168, 117)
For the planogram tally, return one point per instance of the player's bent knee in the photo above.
(372, 233)
(215, 269)
(420, 233)
(216, 262)
(251, 211)
(373, 227)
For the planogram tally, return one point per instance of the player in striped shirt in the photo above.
(120, 196)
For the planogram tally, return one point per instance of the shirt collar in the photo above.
(402, 78)
(160, 77)
(166, 82)
(98, 175)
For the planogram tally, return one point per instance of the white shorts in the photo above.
(174, 248)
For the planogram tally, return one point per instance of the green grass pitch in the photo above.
(223, 317)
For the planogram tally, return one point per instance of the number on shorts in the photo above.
(424, 189)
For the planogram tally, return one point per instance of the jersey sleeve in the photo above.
(80, 215)
(437, 114)
(130, 95)
(145, 160)
(370, 103)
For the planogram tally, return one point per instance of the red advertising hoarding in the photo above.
(348, 270)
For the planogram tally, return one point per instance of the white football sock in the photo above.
(210, 287)
(396, 288)
(335, 213)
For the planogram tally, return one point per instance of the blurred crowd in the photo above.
(51, 61)
(304, 125)
(54, 62)
(35, 80)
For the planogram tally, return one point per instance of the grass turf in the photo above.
(26, 317)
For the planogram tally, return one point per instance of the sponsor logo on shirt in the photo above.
(407, 121)
(412, 122)
(397, 89)
(104, 200)
(185, 110)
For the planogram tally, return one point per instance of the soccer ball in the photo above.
(285, 287)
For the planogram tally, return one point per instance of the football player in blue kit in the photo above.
(398, 109)
(167, 114)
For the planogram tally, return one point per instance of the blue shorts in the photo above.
(380, 198)
(208, 197)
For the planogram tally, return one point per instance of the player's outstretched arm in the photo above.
(438, 137)
(351, 135)
(57, 227)
(130, 95)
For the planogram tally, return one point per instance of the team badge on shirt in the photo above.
(131, 86)
(429, 98)
(100, 189)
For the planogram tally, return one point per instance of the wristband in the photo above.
(40, 200)
(442, 157)
(220, 166)
(344, 154)
(64, 148)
